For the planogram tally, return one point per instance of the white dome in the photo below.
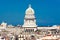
(29, 10)
(54, 25)
(3, 23)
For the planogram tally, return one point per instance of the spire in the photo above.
(30, 5)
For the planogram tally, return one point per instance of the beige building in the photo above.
(29, 30)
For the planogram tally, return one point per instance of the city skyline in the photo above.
(46, 12)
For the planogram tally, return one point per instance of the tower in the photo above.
(3, 24)
(29, 20)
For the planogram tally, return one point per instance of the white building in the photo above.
(29, 20)
(28, 28)
(3, 25)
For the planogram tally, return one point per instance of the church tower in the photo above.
(29, 20)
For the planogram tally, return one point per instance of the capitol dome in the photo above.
(29, 10)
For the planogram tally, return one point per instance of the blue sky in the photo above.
(47, 12)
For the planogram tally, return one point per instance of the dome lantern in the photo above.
(30, 5)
